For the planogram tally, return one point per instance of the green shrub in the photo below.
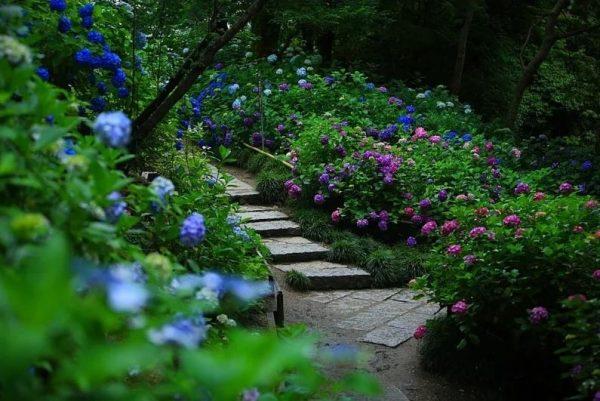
(297, 280)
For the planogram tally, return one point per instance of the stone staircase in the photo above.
(289, 250)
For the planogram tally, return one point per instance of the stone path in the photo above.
(343, 308)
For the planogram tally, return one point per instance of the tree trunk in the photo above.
(268, 32)
(183, 80)
(528, 75)
(461, 51)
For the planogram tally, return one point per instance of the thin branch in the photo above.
(579, 31)
(525, 45)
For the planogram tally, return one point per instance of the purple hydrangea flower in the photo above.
(411, 241)
(522, 188)
(443, 195)
(250, 395)
(425, 204)
(538, 314)
(511, 220)
(470, 260)
(383, 225)
(319, 199)
(192, 230)
(324, 178)
(362, 223)
(565, 187)
(114, 128)
(454, 249)
(324, 140)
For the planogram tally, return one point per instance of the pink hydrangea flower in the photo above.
(409, 211)
(449, 227)
(459, 307)
(538, 314)
(482, 211)
(435, 139)
(477, 232)
(591, 204)
(491, 235)
(420, 133)
(420, 332)
(462, 197)
(596, 274)
(577, 229)
(336, 216)
(519, 232)
(512, 220)
(454, 249)
(577, 297)
(565, 188)
(516, 153)
(428, 227)
(538, 196)
(489, 146)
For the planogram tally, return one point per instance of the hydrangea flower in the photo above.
(538, 196)
(43, 73)
(301, 72)
(336, 216)
(119, 78)
(141, 40)
(425, 204)
(95, 37)
(411, 241)
(122, 92)
(279, 71)
(98, 104)
(162, 187)
(522, 188)
(443, 195)
(184, 332)
(87, 10)
(449, 227)
(114, 128)
(192, 230)
(586, 165)
(512, 220)
(477, 232)
(470, 260)
(362, 223)
(428, 227)
(538, 314)
(271, 58)
(125, 287)
(460, 307)
(250, 395)
(64, 24)
(58, 5)
(454, 249)
(87, 22)
(565, 188)
(319, 199)
(420, 332)
(596, 274)
(116, 209)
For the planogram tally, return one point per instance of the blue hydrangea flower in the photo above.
(49, 119)
(192, 230)
(211, 180)
(95, 37)
(123, 92)
(329, 80)
(301, 72)
(101, 87)
(64, 24)
(231, 89)
(58, 5)
(110, 60)
(98, 104)
(113, 128)
(87, 22)
(369, 86)
(162, 187)
(187, 333)
(84, 57)
(178, 144)
(272, 58)
(141, 40)
(467, 138)
(116, 209)
(237, 104)
(87, 10)
(125, 287)
(410, 109)
(246, 290)
(119, 78)
(586, 165)
(43, 73)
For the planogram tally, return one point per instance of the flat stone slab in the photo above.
(388, 336)
(346, 306)
(324, 297)
(376, 294)
(274, 228)
(294, 249)
(375, 316)
(254, 208)
(263, 215)
(327, 275)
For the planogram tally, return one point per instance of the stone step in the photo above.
(329, 276)
(255, 208)
(263, 215)
(238, 190)
(294, 249)
(274, 228)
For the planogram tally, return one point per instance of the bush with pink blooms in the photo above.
(524, 271)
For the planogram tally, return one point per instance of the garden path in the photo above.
(342, 307)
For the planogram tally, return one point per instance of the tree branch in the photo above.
(579, 31)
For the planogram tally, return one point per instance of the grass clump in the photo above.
(269, 183)
(347, 250)
(297, 280)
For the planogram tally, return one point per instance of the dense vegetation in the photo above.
(115, 288)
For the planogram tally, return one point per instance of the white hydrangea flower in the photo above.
(421, 96)
(449, 104)
(440, 105)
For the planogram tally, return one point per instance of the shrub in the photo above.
(297, 280)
